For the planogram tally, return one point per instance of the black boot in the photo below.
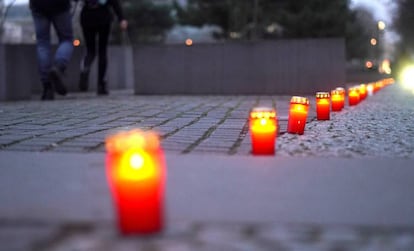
(56, 77)
(48, 92)
(102, 88)
(84, 81)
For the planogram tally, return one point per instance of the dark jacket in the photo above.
(96, 15)
(49, 7)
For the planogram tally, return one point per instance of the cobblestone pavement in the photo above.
(206, 237)
(211, 124)
(380, 126)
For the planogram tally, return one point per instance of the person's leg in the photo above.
(62, 23)
(63, 26)
(89, 33)
(43, 50)
(103, 58)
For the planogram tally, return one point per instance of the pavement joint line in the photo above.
(101, 144)
(3, 146)
(204, 114)
(211, 129)
(97, 146)
(176, 117)
(56, 144)
(64, 232)
(97, 117)
(233, 149)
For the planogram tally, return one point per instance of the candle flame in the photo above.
(136, 161)
(136, 165)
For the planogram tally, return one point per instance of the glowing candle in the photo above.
(353, 96)
(388, 81)
(343, 94)
(263, 130)
(323, 106)
(378, 86)
(363, 92)
(135, 168)
(336, 100)
(370, 89)
(298, 113)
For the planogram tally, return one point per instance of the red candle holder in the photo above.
(343, 95)
(363, 93)
(135, 169)
(378, 86)
(298, 113)
(388, 81)
(263, 130)
(323, 105)
(336, 100)
(353, 96)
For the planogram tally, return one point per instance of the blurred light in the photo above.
(368, 64)
(76, 42)
(381, 25)
(373, 41)
(407, 77)
(235, 35)
(189, 42)
(385, 67)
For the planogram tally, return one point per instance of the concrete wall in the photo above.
(19, 77)
(11, 74)
(270, 67)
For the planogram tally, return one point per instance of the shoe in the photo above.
(48, 93)
(102, 89)
(83, 81)
(56, 77)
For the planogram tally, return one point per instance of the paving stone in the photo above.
(17, 237)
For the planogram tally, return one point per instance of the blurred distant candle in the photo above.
(363, 92)
(263, 130)
(135, 168)
(298, 113)
(353, 96)
(323, 106)
(378, 86)
(336, 100)
(342, 92)
(370, 89)
(388, 81)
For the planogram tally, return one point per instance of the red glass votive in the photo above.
(135, 169)
(263, 130)
(336, 100)
(353, 96)
(298, 113)
(323, 106)
(343, 95)
(363, 93)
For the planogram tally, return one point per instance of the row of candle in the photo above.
(263, 121)
(136, 168)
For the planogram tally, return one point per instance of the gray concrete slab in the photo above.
(55, 188)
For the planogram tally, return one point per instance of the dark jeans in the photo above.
(90, 34)
(62, 23)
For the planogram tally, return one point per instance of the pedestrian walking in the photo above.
(56, 13)
(96, 19)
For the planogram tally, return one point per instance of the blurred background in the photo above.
(378, 33)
